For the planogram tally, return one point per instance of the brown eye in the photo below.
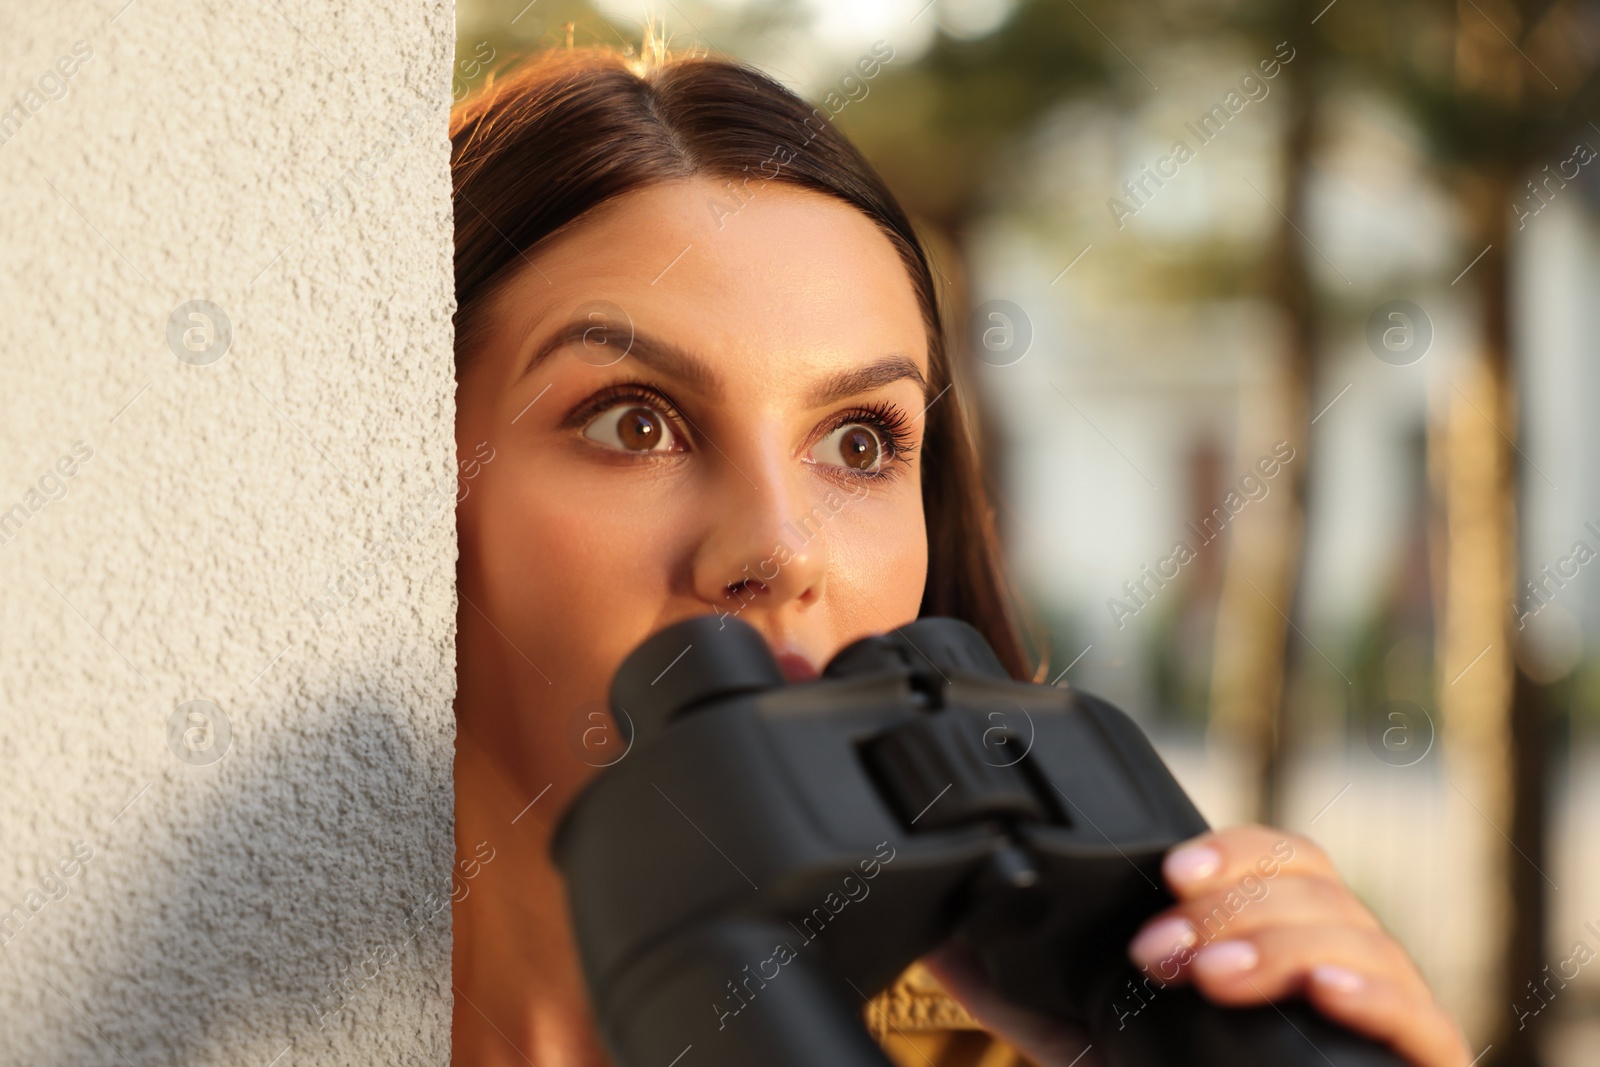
(639, 429)
(631, 428)
(854, 446)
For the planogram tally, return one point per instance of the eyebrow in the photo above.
(675, 362)
(661, 356)
(875, 375)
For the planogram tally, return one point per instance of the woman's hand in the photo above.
(1262, 915)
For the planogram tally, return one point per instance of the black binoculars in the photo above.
(769, 855)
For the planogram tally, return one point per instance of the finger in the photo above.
(1238, 911)
(1233, 856)
(1275, 963)
(1410, 1023)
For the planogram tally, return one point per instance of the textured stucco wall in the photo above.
(267, 528)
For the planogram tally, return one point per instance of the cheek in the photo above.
(882, 551)
(571, 574)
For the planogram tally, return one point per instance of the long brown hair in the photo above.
(573, 128)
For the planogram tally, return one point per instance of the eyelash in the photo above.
(623, 392)
(892, 426)
(888, 420)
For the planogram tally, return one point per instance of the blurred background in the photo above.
(1281, 323)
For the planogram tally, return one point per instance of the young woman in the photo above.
(701, 370)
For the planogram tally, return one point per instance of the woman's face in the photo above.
(684, 407)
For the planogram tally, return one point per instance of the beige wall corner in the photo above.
(227, 547)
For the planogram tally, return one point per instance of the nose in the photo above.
(766, 551)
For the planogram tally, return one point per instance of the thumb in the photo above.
(1047, 1042)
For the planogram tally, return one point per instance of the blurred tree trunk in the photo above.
(1525, 952)
(1471, 456)
(1517, 721)
(1255, 642)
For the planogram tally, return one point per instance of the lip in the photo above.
(796, 668)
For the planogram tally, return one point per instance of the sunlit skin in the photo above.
(777, 369)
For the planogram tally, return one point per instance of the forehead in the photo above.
(766, 281)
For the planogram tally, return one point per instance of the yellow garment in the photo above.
(920, 1025)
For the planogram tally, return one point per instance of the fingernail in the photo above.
(1191, 864)
(1340, 978)
(1226, 958)
(1160, 940)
